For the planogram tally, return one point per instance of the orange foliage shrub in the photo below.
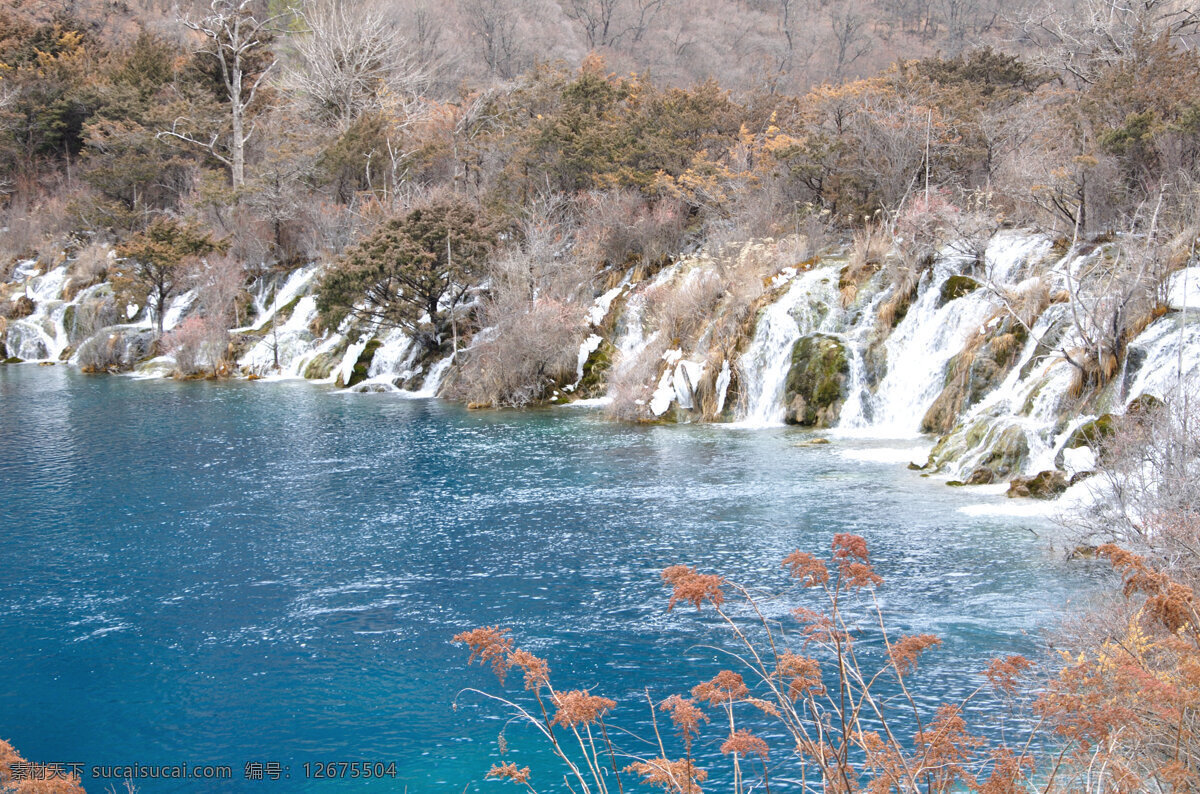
(17, 776)
(841, 728)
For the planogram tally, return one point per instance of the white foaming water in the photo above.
(920, 348)
(433, 381)
(346, 369)
(1171, 347)
(299, 282)
(40, 336)
(394, 355)
(289, 344)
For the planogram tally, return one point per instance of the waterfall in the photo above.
(893, 376)
(810, 304)
(764, 365)
(932, 332)
(918, 351)
(433, 381)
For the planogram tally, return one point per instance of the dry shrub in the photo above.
(88, 268)
(905, 281)
(679, 311)
(1114, 295)
(329, 229)
(526, 351)
(1124, 702)
(1149, 485)
(867, 253)
(34, 230)
(632, 381)
(620, 226)
(18, 776)
(198, 345)
(219, 282)
(113, 351)
(1126, 696)
(923, 225)
(533, 315)
(815, 228)
(1028, 300)
(751, 212)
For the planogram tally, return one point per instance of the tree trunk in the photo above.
(160, 307)
(237, 147)
(237, 143)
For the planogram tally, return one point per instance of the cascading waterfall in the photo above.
(40, 336)
(891, 379)
(917, 354)
(809, 305)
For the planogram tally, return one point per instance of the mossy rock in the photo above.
(11, 360)
(1007, 452)
(956, 287)
(1092, 434)
(816, 383)
(1043, 485)
(321, 366)
(1143, 405)
(595, 371)
(363, 365)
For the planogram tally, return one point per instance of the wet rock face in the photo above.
(1043, 485)
(972, 373)
(981, 476)
(321, 366)
(816, 383)
(363, 365)
(21, 307)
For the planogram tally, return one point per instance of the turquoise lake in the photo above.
(223, 573)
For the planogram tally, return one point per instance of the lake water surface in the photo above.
(271, 572)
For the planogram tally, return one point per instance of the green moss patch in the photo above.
(816, 383)
(1092, 434)
(363, 365)
(595, 371)
(956, 287)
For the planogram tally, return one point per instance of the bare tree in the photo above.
(494, 24)
(851, 40)
(606, 22)
(532, 314)
(1085, 37)
(352, 57)
(1148, 484)
(236, 38)
(596, 19)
